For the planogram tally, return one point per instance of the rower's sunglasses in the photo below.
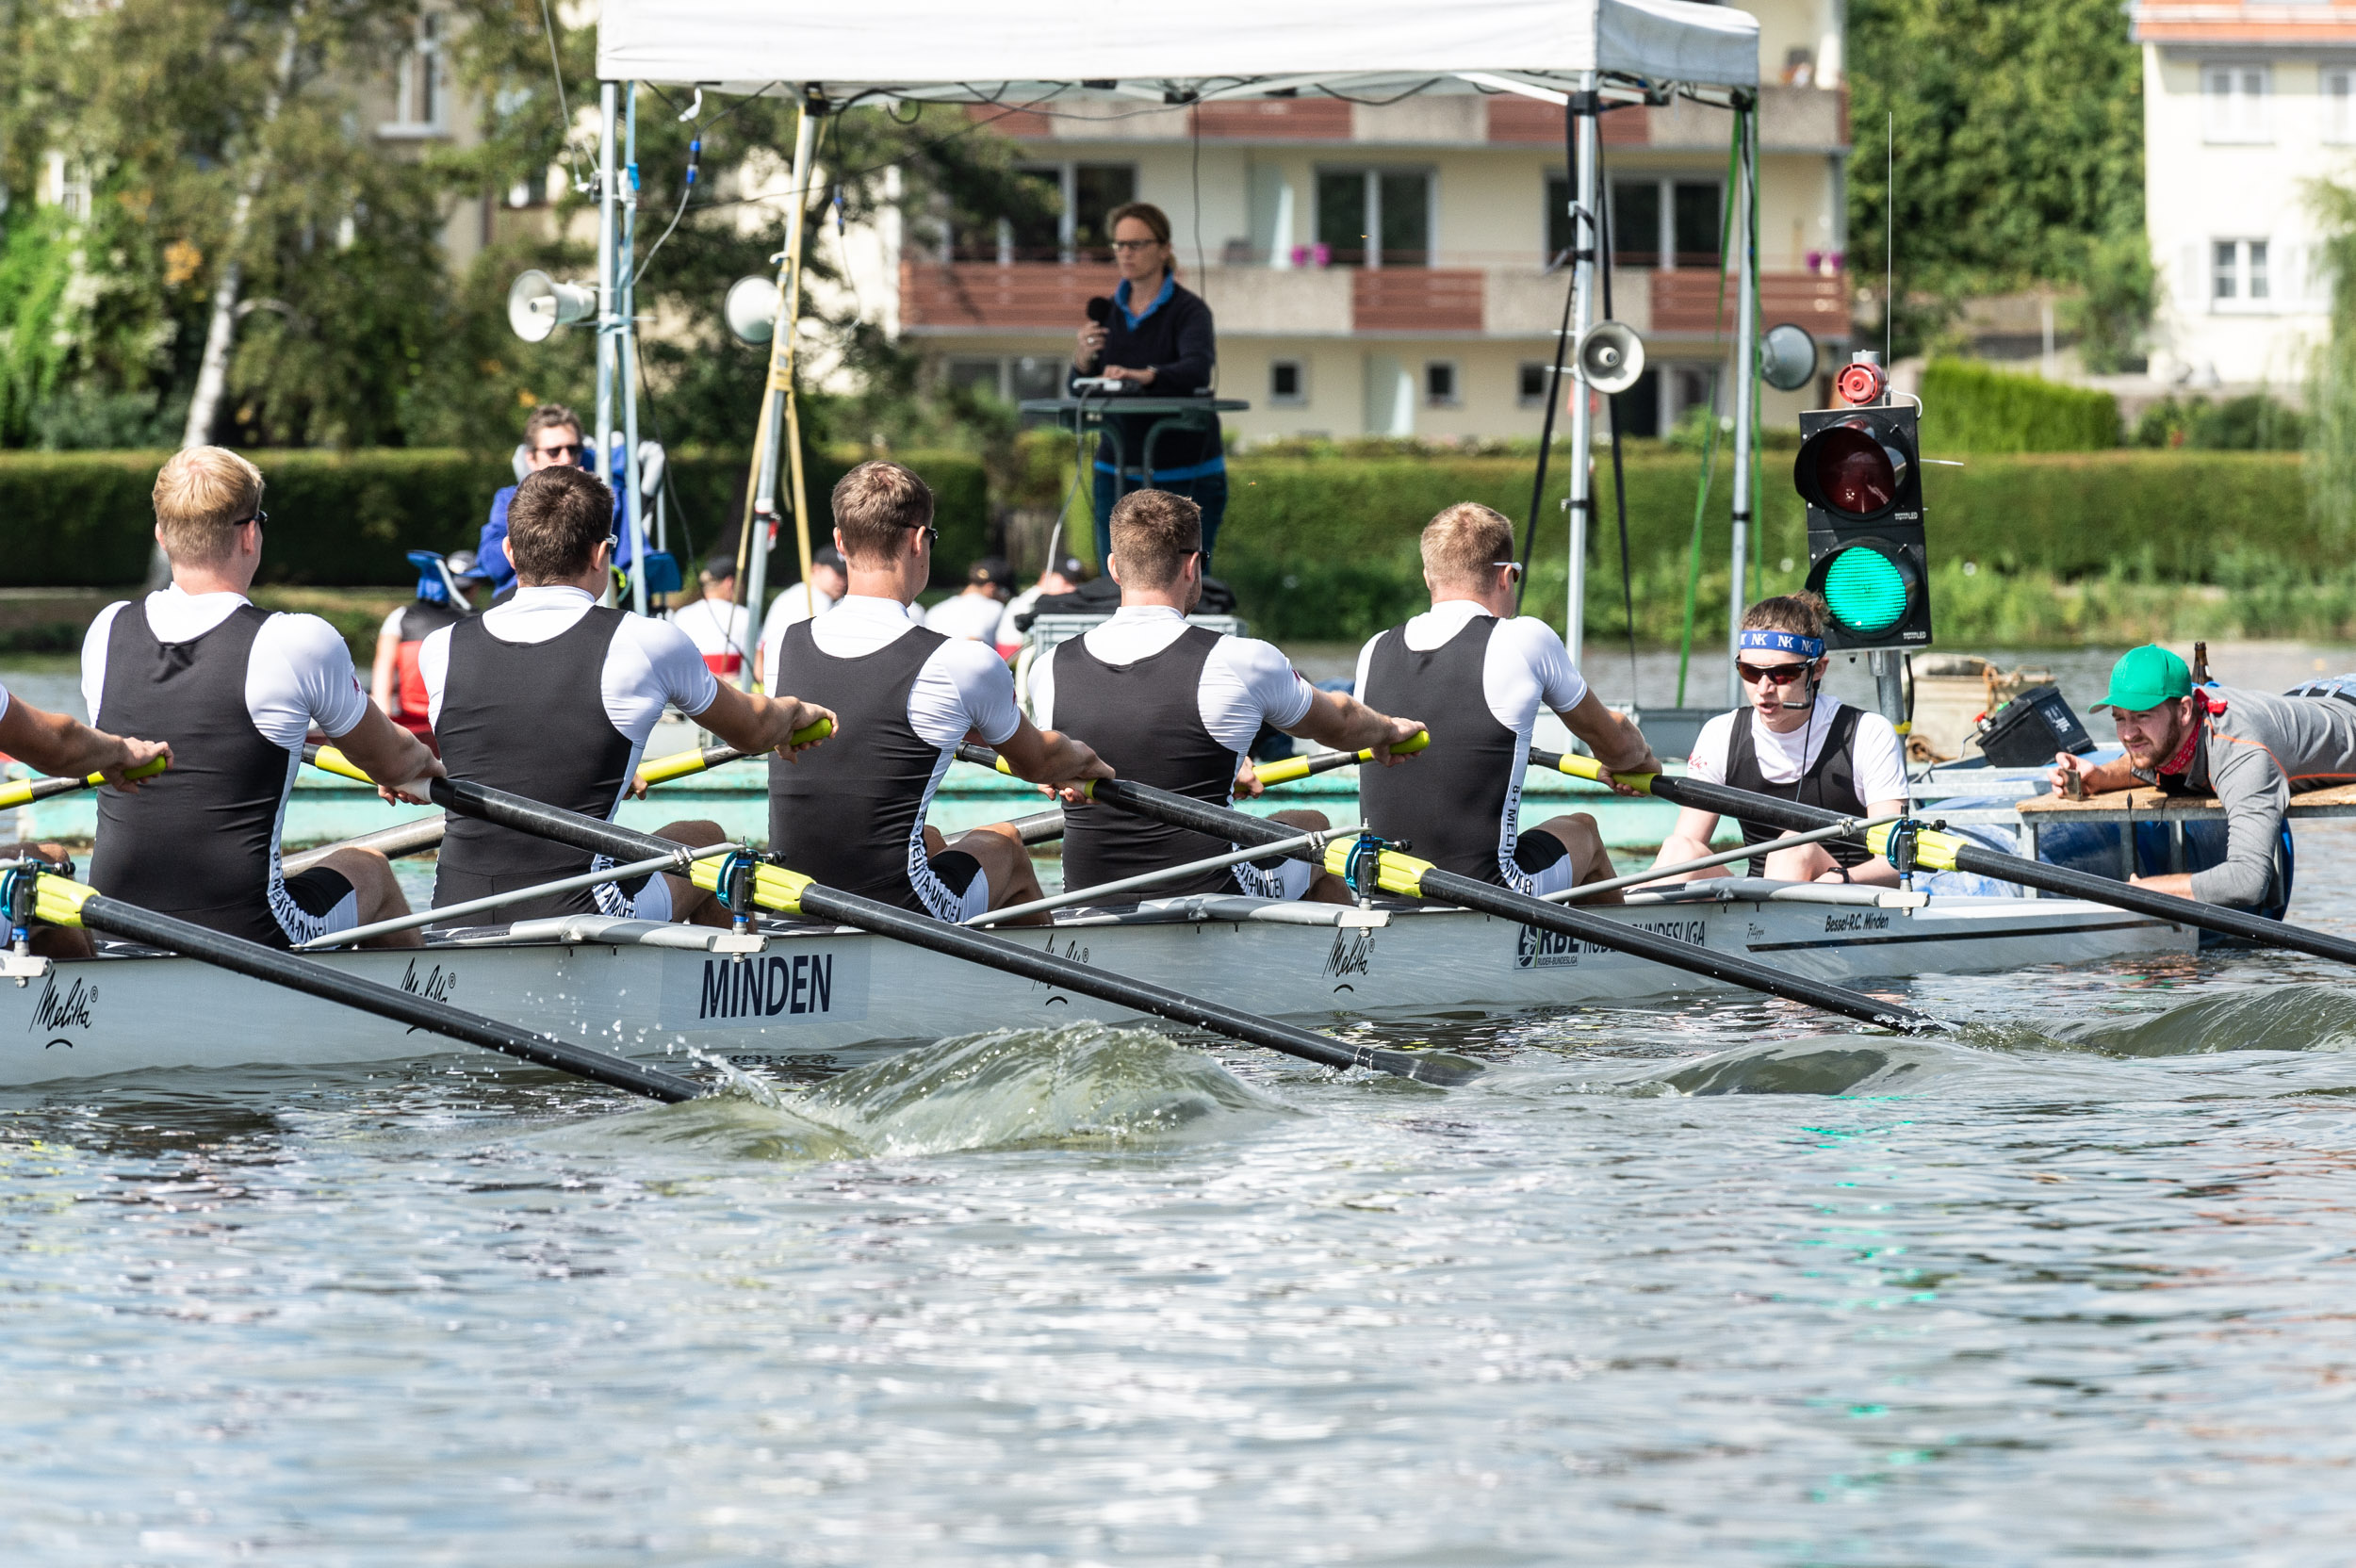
(1781, 675)
(259, 519)
(1514, 566)
(932, 534)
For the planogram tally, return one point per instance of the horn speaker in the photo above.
(1609, 357)
(752, 309)
(1787, 357)
(537, 304)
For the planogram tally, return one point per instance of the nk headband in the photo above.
(1768, 640)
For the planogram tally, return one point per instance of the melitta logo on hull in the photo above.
(764, 988)
(66, 1009)
(1536, 949)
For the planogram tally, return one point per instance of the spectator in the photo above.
(445, 596)
(716, 624)
(974, 612)
(1062, 576)
(799, 601)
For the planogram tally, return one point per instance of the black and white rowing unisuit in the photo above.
(550, 697)
(851, 813)
(1175, 707)
(1477, 685)
(235, 690)
(1842, 760)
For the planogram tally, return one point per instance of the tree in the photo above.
(2018, 152)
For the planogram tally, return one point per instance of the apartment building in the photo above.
(2244, 104)
(1397, 269)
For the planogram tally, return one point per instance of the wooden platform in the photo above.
(2134, 805)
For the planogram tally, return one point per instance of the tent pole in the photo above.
(633, 503)
(609, 317)
(1746, 394)
(1580, 504)
(783, 433)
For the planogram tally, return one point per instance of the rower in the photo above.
(552, 696)
(1483, 672)
(1177, 706)
(443, 586)
(2251, 750)
(716, 624)
(852, 815)
(1796, 744)
(235, 691)
(64, 748)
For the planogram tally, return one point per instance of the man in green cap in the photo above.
(2252, 750)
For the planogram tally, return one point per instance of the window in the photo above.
(1636, 223)
(421, 84)
(2238, 272)
(2339, 104)
(1076, 197)
(1530, 383)
(1375, 218)
(1009, 378)
(1286, 382)
(1439, 383)
(1637, 409)
(2234, 102)
(1666, 223)
(1557, 221)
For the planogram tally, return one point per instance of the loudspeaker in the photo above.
(751, 309)
(1609, 357)
(1787, 357)
(537, 304)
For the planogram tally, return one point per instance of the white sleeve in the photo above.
(433, 669)
(94, 657)
(392, 624)
(1560, 686)
(1708, 761)
(963, 688)
(1880, 762)
(1366, 663)
(649, 664)
(1043, 690)
(300, 673)
(4, 702)
(1246, 681)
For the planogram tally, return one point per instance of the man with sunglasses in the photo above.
(235, 691)
(1796, 744)
(1482, 672)
(1177, 707)
(551, 439)
(852, 813)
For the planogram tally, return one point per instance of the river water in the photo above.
(1708, 1283)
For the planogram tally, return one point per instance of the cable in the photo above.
(564, 110)
(694, 157)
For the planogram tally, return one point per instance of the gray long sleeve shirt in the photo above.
(2253, 758)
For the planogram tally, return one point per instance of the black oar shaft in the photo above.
(1725, 801)
(329, 984)
(1506, 904)
(977, 947)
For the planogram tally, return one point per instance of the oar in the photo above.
(1404, 874)
(62, 901)
(1287, 771)
(655, 770)
(1938, 851)
(26, 790)
(791, 893)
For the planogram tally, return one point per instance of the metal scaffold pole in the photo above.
(609, 317)
(626, 368)
(1745, 390)
(1580, 504)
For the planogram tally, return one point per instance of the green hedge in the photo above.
(345, 519)
(1969, 407)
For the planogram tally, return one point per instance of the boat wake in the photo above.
(1838, 1064)
(1085, 1087)
(2279, 1018)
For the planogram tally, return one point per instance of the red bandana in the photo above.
(2201, 703)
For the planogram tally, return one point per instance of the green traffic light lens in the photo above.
(1865, 590)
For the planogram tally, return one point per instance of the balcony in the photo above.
(1685, 304)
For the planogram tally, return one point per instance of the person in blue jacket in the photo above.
(551, 438)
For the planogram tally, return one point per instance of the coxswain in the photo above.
(2251, 750)
(718, 625)
(1177, 707)
(235, 691)
(443, 586)
(1480, 673)
(852, 815)
(552, 438)
(1794, 743)
(553, 697)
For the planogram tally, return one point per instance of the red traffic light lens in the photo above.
(1859, 383)
(1853, 469)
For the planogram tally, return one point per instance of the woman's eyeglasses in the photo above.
(1780, 675)
(1135, 244)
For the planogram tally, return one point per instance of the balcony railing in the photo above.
(1687, 304)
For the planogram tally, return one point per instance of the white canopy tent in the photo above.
(1583, 53)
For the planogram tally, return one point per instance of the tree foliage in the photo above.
(2018, 136)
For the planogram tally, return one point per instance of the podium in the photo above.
(1083, 415)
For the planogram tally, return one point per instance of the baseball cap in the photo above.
(466, 567)
(991, 571)
(1070, 569)
(827, 555)
(719, 569)
(2145, 677)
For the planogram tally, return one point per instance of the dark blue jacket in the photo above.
(1174, 339)
(493, 563)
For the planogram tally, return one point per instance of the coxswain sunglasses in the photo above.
(571, 448)
(1781, 675)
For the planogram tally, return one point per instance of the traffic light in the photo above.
(1858, 473)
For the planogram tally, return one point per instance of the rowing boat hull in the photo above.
(815, 991)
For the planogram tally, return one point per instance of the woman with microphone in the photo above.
(1158, 337)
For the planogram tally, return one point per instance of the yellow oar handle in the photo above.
(328, 759)
(1295, 768)
(58, 900)
(1591, 770)
(148, 769)
(661, 770)
(1932, 849)
(26, 790)
(773, 887)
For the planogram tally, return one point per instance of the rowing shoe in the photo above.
(1938, 851)
(1413, 879)
(790, 892)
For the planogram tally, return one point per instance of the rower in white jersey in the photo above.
(64, 748)
(1796, 744)
(1482, 672)
(1177, 707)
(852, 815)
(552, 696)
(235, 691)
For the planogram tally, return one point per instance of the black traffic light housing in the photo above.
(1861, 473)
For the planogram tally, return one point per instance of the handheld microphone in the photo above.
(1099, 310)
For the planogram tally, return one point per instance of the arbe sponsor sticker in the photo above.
(1536, 949)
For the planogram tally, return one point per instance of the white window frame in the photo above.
(2236, 103)
(1373, 175)
(2336, 89)
(1299, 397)
(422, 71)
(1455, 398)
(1665, 241)
(2243, 264)
(1067, 172)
